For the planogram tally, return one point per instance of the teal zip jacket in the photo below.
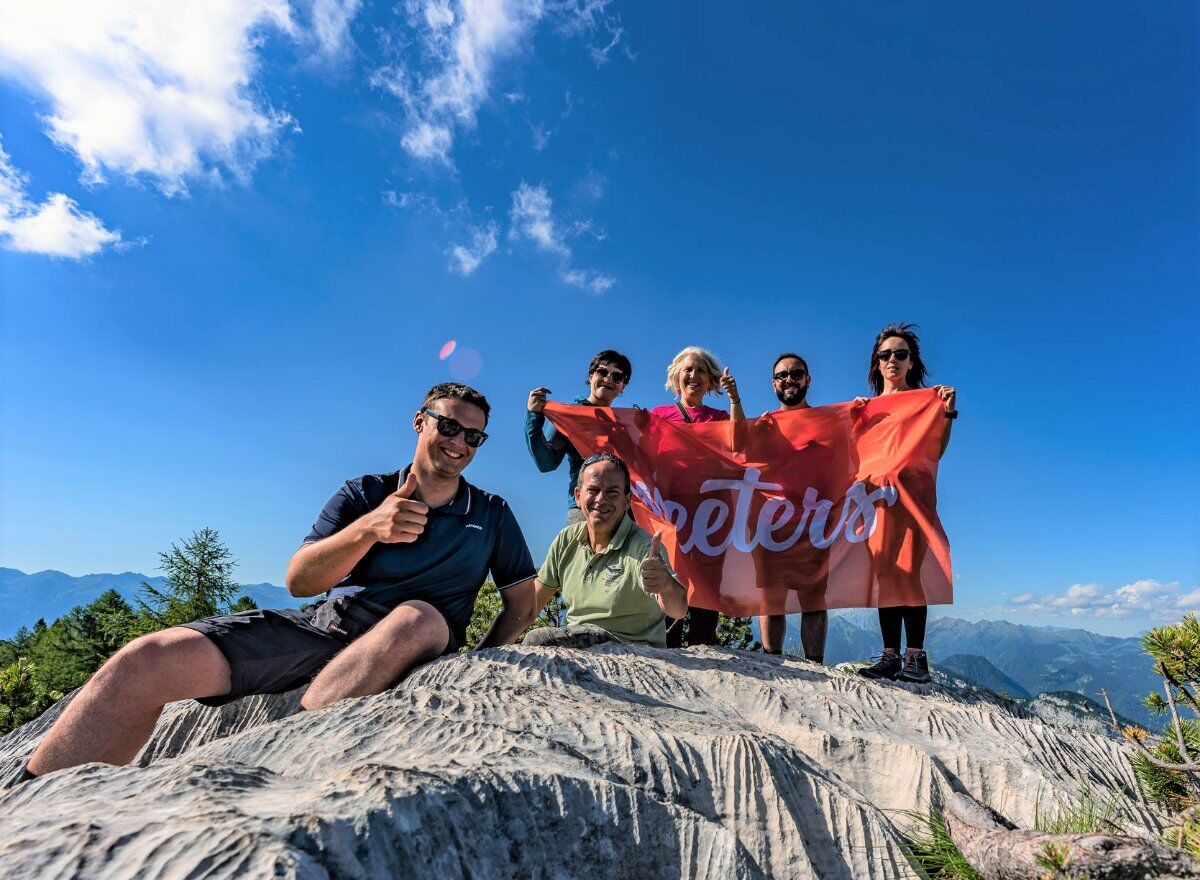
(548, 452)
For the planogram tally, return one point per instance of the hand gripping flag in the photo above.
(826, 507)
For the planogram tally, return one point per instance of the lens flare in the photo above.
(447, 350)
(465, 364)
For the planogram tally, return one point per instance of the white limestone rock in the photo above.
(552, 763)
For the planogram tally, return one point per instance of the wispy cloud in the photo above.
(1146, 598)
(449, 66)
(55, 228)
(146, 88)
(532, 217)
(331, 21)
(465, 259)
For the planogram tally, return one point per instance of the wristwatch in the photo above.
(951, 415)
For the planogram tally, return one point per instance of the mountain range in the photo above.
(1009, 658)
(24, 598)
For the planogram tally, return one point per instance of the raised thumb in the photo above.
(410, 486)
(726, 373)
(655, 545)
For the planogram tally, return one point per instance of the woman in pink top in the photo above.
(692, 375)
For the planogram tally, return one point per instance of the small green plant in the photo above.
(930, 845)
(1055, 858)
(1167, 766)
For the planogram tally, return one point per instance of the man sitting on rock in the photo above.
(613, 575)
(403, 556)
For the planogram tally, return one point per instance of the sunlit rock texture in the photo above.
(517, 762)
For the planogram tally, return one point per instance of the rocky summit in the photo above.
(611, 762)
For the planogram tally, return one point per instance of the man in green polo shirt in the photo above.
(614, 577)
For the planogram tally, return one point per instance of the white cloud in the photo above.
(465, 259)
(331, 25)
(55, 228)
(1145, 598)
(154, 87)
(533, 219)
(458, 45)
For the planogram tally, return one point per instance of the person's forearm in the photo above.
(946, 437)
(514, 618)
(508, 625)
(545, 456)
(736, 413)
(673, 602)
(321, 565)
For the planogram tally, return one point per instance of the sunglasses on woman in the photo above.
(795, 374)
(617, 376)
(886, 354)
(447, 427)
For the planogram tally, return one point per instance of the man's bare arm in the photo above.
(321, 565)
(514, 618)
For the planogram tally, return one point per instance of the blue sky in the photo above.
(232, 246)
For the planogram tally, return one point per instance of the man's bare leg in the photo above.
(773, 629)
(813, 627)
(412, 633)
(113, 716)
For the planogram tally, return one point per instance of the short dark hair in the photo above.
(611, 459)
(790, 354)
(916, 373)
(458, 391)
(618, 360)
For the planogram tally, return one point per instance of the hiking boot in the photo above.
(916, 668)
(887, 665)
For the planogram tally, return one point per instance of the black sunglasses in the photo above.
(886, 354)
(795, 374)
(616, 375)
(447, 427)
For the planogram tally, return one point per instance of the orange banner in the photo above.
(827, 507)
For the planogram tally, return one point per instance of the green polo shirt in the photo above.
(605, 589)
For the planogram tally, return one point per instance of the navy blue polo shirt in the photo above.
(463, 540)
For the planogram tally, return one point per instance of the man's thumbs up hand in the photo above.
(410, 486)
(655, 576)
(400, 519)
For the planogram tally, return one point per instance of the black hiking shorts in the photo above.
(271, 651)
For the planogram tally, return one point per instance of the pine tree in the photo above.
(199, 583)
(22, 696)
(1168, 766)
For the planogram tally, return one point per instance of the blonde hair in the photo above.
(676, 367)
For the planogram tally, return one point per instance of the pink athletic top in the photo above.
(670, 412)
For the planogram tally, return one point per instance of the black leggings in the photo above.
(912, 616)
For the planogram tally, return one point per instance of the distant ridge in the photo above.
(49, 594)
(1039, 659)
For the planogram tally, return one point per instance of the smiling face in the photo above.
(790, 391)
(603, 383)
(441, 456)
(893, 369)
(695, 380)
(602, 496)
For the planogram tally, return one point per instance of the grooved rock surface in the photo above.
(616, 761)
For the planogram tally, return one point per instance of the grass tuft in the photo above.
(930, 844)
(1091, 815)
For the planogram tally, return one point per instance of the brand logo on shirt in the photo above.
(612, 572)
(474, 526)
